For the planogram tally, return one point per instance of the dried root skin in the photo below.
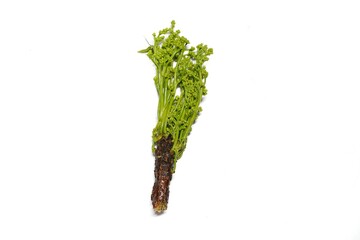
(164, 160)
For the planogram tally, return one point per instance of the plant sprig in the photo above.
(179, 68)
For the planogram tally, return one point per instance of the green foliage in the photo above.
(178, 68)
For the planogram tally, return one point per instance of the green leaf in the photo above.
(178, 66)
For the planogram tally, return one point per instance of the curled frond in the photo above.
(178, 66)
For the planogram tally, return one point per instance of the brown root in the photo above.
(164, 160)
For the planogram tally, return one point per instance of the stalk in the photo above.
(164, 160)
(177, 67)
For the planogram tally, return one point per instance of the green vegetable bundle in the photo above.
(180, 83)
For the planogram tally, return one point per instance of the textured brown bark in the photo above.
(164, 160)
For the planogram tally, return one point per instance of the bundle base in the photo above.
(164, 160)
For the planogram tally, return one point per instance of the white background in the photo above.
(274, 155)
